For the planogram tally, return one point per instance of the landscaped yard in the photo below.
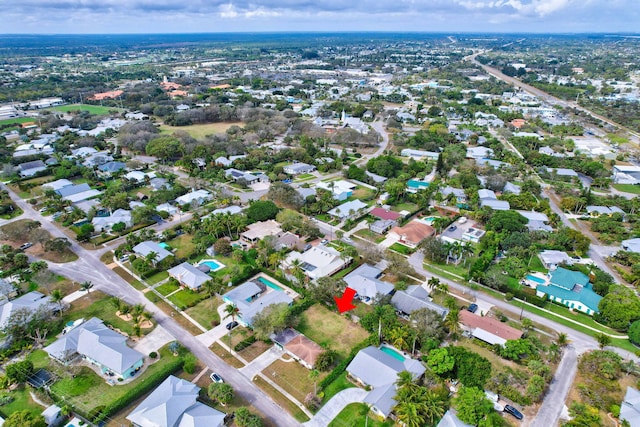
(363, 194)
(331, 330)
(21, 401)
(156, 278)
(96, 304)
(206, 312)
(200, 131)
(627, 188)
(410, 207)
(186, 298)
(293, 377)
(226, 356)
(404, 250)
(357, 415)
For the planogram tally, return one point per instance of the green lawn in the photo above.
(17, 120)
(166, 288)
(206, 312)
(201, 130)
(370, 236)
(536, 265)
(92, 109)
(183, 246)
(78, 384)
(304, 177)
(21, 401)
(358, 415)
(627, 188)
(186, 298)
(404, 250)
(158, 277)
(39, 358)
(129, 278)
(339, 384)
(411, 207)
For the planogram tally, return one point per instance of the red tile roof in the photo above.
(106, 95)
(305, 349)
(384, 214)
(489, 324)
(414, 232)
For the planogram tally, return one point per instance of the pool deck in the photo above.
(287, 290)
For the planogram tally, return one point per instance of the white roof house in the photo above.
(630, 408)
(145, 248)
(102, 346)
(57, 184)
(552, 259)
(252, 297)
(298, 168)
(319, 261)
(199, 196)
(364, 280)
(631, 245)
(174, 403)
(105, 223)
(32, 301)
(347, 210)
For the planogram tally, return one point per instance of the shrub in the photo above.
(508, 296)
(153, 355)
(190, 362)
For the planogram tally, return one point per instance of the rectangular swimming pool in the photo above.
(164, 245)
(536, 279)
(391, 352)
(270, 284)
(211, 264)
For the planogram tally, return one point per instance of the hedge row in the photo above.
(245, 343)
(340, 368)
(142, 387)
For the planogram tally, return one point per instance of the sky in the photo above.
(193, 16)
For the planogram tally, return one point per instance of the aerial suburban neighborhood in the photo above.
(422, 230)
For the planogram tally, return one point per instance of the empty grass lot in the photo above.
(281, 400)
(206, 312)
(200, 131)
(293, 377)
(92, 109)
(355, 415)
(331, 330)
(186, 298)
(166, 288)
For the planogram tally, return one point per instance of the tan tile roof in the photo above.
(414, 231)
(305, 349)
(489, 324)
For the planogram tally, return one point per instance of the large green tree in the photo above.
(261, 210)
(24, 419)
(619, 308)
(472, 405)
(165, 148)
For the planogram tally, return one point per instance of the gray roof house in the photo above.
(104, 223)
(631, 245)
(416, 298)
(95, 342)
(145, 248)
(364, 280)
(630, 408)
(551, 259)
(252, 297)
(188, 275)
(298, 168)
(450, 419)
(112, 167)
(373, 367)
(32, 301)
(77, 193)
(57, 184)
(174, 404)
(159, 184)
(348, 209)
(31, 168)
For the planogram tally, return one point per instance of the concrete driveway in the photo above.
(333, 407)
(154, 341)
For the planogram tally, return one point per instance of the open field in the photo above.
(331, 330)
(92, 109)
(200, 131)
(206, 312)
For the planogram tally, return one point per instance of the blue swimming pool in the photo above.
(270, 284)
(164, 245)
(211, 264)
(535, 279)
(393, 353)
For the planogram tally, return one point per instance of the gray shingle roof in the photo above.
(377, 368)
(407, 303)
(188, 275)
(145, 248)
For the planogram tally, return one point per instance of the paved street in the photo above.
(89, 268)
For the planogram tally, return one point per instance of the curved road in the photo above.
(88, 267)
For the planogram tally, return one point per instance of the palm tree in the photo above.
(398, 337)
(562, 340)
(297, 271)
(86, 286)
(56, 297)
(409, 413)
(452, 322)
(313, 376)
(152, 257)
(231, 311)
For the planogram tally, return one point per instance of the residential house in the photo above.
(174, 403)
(631, 245)
(106, 223)
(596, 211)
(259, 230)
(378, 179)
(111, 167)
(77, 192)
(52, 416)
(348, 210)
(189, 276)
(223, 161)
(319, 261)
(96, 343)
(563, 172)
(412, 233)
(168, 208)
(198, 196)
(450, 419)
(495, 164)
(32, 301)
(84, 152)
(377, 369)
(419, 154)
(249, 178)
(139, 176)
(415, 185)
(254, 296)
(572, 289)
(488, 329)
(473, 235)
(512, 188)
(143, 249)
(479, 153)
(57, 184)
(458, 193)
(537, 221)
(298, 169)
(340, 189)
(288, 240)
(365, 281)
(159, 184)
(551, 259)
(97, 159)
(488, 198)
(626, 174)
(299, 347)
(414, 298)
(630, 407)
(31, 168)
(381, 226)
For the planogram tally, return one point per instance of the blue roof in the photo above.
(567, 279)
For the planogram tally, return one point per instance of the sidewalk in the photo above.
(332, 408)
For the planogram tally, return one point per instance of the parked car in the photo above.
(216, 378)
(124, 258)
(324, 241)
(513, 411)
(231, 325)
(347, 240)
(453, 228)
(473, 308)
(462, 219)
(25, 246)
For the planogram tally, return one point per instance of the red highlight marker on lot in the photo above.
(344, 302)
